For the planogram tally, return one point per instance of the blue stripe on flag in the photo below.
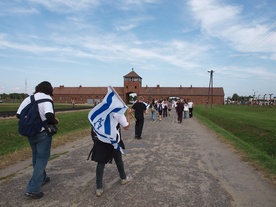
(104, 107)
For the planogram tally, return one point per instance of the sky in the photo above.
(167, 42)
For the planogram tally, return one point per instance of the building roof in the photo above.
(181, 91)
(132, 74)
(160, 91)
(61, 90)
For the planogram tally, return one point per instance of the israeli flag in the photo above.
(101, 118)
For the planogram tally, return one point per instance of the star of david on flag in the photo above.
(101, 118)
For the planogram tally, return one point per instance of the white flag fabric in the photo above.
(101, 118)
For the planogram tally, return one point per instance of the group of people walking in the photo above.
(102, 153)
(161, 108)
(164, 108)
(182, 106)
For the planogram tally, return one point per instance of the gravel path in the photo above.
(172, 165)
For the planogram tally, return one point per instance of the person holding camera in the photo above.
(40, 142)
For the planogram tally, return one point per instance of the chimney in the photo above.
(180, 86)
(158, 86)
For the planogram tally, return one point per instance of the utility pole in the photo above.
(25, 87)
(210, 90)
(254, 93)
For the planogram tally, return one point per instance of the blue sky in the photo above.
(167, 42)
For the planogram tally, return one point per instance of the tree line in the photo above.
(12, 97)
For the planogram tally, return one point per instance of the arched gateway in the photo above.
(133, 84)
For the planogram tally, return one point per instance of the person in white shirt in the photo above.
(40, 142)
(191, 107)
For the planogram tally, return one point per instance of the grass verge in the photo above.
(14, 147)
(249, 130)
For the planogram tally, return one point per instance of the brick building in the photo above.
(133, 84)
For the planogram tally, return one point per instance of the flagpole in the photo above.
(122, 101)
(117, 95)
(133, 116)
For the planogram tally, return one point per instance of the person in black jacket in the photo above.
(104, 153)
(40, 142)
(179, 110)
(139, 109)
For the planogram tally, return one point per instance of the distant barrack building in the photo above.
(133, 84)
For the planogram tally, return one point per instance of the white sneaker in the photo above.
(126, 180)
(99, 192)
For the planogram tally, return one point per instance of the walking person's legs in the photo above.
(136, 128)
(153, 115)
(120, 166)
(140, 127)
(119, 163)
(99, 178)
(41, 149)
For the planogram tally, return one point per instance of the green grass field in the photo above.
(14, 106)
(12, 141)
(250, 129)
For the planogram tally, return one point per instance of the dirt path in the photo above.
(173, 165)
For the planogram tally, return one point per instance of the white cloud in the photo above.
(212, 15)
(226, 23)
(68, 5)
(128, 2)
(262, 73)
(273, 56)
(24, 11)
(32, 48)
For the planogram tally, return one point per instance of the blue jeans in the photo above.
(41, 147)
(100, 169)
(152, 115)
(185, 114)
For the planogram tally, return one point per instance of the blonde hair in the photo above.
(141, 98)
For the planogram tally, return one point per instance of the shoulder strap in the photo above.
(44, 100)
(32, 98)
(41, 101)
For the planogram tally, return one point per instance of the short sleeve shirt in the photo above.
(44, 107)
(139, 108)
(121, 119)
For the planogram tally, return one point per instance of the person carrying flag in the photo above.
(107, 118)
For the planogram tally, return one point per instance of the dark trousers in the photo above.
(100, 169)
(179, 116)
(139, 127)
(165, 112)
(190, 112)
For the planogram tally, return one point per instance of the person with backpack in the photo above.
(160, 110)
(40, 141)
(153, 107)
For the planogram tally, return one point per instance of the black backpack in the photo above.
(30, 122)
(160, 108)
